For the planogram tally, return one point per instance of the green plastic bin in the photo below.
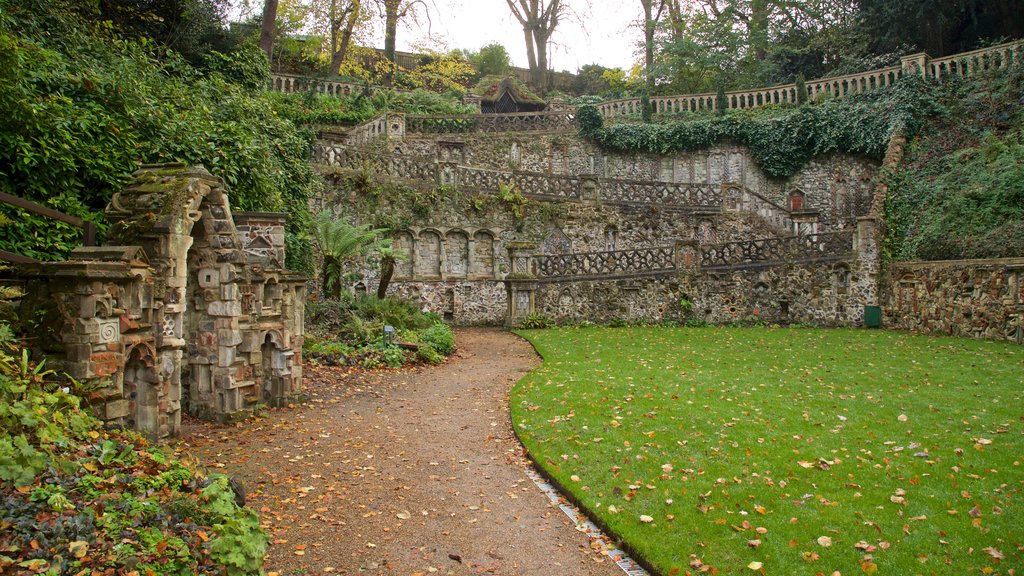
(872, 316)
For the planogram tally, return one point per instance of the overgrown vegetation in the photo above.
(781, 138)
(310, 108)
(75, 498)
(785, 451)
(350, 331)
(959, 192)
(82, 108)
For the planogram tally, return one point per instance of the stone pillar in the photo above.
(915, 64)
(394, 125)
(868, 262)
(520, 283)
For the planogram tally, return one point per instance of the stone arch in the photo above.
(141, 388)
(483, 254)
(456, 247)
(611, 238)
(272, 373)
(404, 243)
(359, 289)
(428, 254)
(197, 257)
(557, 242)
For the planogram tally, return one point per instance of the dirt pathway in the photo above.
(412, 472)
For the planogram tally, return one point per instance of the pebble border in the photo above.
(597, 538)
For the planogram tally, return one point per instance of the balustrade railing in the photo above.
(605, 264)
(770, 251)
(622, 191)
(530, 184)
(290, 83)
(964, 64)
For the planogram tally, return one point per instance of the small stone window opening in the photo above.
(796, 200)
(611, 237)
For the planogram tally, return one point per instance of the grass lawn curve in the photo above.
(785, 450)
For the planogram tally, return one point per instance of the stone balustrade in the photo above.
(763, 252)
(605, 265)
(964, 64)
(290, 83)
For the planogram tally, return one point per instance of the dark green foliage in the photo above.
(439, 337)
(590, 120)
(351, 331)
(783, 138)
(960, 190)
(246, 66)
(536, 321)
(80, 111)
(58, 467)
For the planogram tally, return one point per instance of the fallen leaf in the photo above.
(755, 565)
(824, 541)
(646, 519)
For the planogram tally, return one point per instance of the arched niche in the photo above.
(456, 247)
(483, 254)
(428, 254)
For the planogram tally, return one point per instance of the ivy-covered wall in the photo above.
(458, 235)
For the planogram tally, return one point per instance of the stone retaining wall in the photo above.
(971, 298)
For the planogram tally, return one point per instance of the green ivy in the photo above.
(781, 138)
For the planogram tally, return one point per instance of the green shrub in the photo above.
(536, 320)
(439, 337)
(393, 356)
(426, 353)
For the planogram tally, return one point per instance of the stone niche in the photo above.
(189, 308)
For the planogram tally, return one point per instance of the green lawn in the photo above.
(807, 451)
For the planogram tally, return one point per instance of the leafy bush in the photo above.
(439, 337)
(58, 467)
(960, 190)
(428, 355)
(81, 109)
(536, 320)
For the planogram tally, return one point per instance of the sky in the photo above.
(597, 32)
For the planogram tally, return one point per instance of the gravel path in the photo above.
(414, 472)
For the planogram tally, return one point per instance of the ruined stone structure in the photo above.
(702, 236)
(190, 307)
(971, 298)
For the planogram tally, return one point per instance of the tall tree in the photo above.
(338, 20)
(267, 27)
(393, 12)
(539, 19)
(652, 14)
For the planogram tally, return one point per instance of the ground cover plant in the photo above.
(786, 450)
(78, 499)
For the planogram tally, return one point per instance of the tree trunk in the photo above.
(540, 73)
(387, 271)
(758, 28)
(390, 35)
(267, 27)
(340, 47)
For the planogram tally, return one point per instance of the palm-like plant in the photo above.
(341, 243)
(389, 256)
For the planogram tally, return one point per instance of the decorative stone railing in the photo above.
(774, 251)
(619, 191)
(530, 184)
(560, 121)
(290, 83)
(603, 265)
(965, 64)
(368, 131)
(970, 63)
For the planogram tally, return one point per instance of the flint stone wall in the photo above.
(971, 298)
